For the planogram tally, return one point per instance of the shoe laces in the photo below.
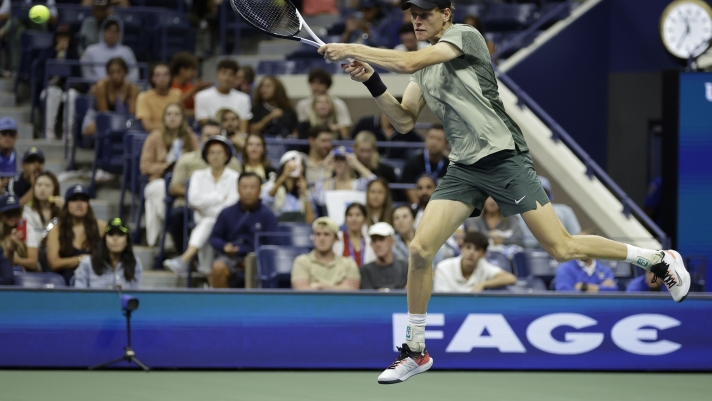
(662, 271)
(405, 352)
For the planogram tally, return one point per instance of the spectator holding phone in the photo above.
(286, 193)
(160, 152)
(14, 232)
(44, 206)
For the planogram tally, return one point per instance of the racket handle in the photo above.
(317, 45)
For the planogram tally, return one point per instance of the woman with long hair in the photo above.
(272, 111)
(286, 193)
(112, 265)
(323, 112)
(160, 152)
(353, 241)
(254, 157)
(12, 238)
(378, 203)
(76, 234)
(501, 230)
(115, 93)
(46, 204)
(367, 153)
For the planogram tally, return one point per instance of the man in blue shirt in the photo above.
(646, 283)
(233, 235)
(8, 155)
(585, 275)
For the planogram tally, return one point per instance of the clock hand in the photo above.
(682, 39)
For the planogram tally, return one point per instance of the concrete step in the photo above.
(7, 85)
(20, 114)
(25, 130)
(54, 150)
(7, 99)
(154, 279)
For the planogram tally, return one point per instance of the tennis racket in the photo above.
(278, 18)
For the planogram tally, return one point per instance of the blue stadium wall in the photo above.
(287, 330)
(569, 75)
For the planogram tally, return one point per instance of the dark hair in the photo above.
(321, 75)
(184, 131)
(386, 212)
(118, 61)
(66, 231)
(280, 99)
(35, 204)
(100, 260)
(183, 60)
(477, 239)
(228, 64)
(437, 126)
(425, 175)
(153, 70)
(265, 162)
(249, 73)
(295, 188)
(410, 209)
(211, 123)
(406, 28)
(248, 175)
(476, 23)
(314, 131)
(110, 23)
(360, 207)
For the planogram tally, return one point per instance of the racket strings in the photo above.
(278, 17)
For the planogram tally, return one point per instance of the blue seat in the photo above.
(39, 280)
(231, 24)
(31, 44)
(109, 148)
(535, 263)
(171, 33)
(81, 106)
(73, 15)
(464, 10)
(509, 17)
(275, 67)
(498, 259)
(274, 263)
(304, 65)
(132, 179)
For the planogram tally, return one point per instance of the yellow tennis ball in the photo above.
(39, 14)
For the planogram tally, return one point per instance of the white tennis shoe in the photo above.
(672, 271)
(408, 364)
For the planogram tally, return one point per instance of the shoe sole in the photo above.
(418, 370)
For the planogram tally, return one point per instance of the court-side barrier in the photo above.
(288, 330)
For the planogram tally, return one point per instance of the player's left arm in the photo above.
(392, 60)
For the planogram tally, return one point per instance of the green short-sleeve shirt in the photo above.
(463, 94)
(308, 267)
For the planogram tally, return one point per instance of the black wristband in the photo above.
(375, 85)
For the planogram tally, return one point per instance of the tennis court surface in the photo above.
(347, 386)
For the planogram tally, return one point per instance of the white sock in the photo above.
(415, 332)
(645, 258)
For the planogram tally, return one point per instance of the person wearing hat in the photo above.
(12, 239)
(161, 151)
(322, 269)
(8, 154)
(186, 165)
(344, 163)
(112, 265)
(32, 166)
(286, 193)
(564, 212)
(233, 236)
(76, 235)
(385, 273)
(211, 190)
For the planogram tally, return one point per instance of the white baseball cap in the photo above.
(382, 229)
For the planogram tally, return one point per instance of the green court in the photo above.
(348, 386)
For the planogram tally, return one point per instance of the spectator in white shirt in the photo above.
(223, 95)
(210, 191)
(319, 84)
(470, 272)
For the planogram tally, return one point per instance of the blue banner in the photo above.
(356, 330)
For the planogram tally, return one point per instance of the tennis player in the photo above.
(489, 157)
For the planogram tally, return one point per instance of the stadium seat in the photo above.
(171, 33)
(464, 10)
(109, 147)
(73, 15)
(133, 180)
(275, 67)
(31, 43)
(39, 280)
(509, 17)
(498, 259)
(275, 263)
(81, 107)
(304, 65)
(535, 263)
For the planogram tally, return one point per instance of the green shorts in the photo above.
(507, 176)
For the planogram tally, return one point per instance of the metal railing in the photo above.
(592, 168)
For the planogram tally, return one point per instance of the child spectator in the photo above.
(211, 190)
(160, 152)
(112, 265)
(233, 236)
(222, 95)
(12, 239)
(184, 69)
(378, 203)
(76, 234)
(151, 104)
(97, 55)
(322, 268)
(272, 112)
(32, 166)
(367, 154)
(384, 131)
(352, 241)
(319, 83)
(343, 163)
(385, 273)
(254, 157)
(44, 206)
(286, 193)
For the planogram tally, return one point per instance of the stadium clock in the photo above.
(686, 27)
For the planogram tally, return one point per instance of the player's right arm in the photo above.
(402, 115)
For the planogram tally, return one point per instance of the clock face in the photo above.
(685, 26)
